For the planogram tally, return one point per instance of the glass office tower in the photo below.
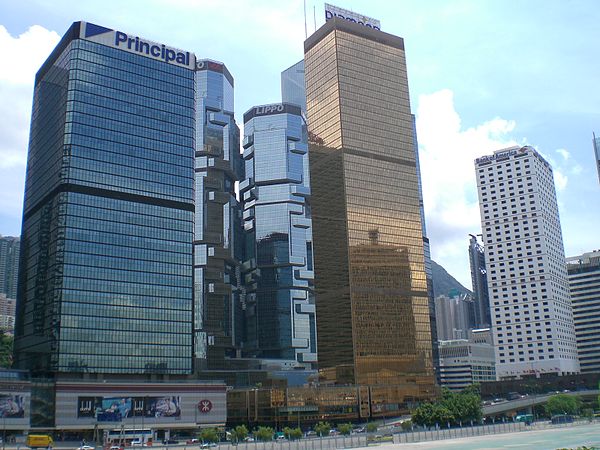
(218, 240)
(373, 318)
(292, 86)
(278, 258)
(105, 283)
(479, 281)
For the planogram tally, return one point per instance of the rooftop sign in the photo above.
(137, 45)
(332, 11)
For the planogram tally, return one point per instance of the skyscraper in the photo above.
(371, 292)
(280, 304)
(584, 283)
(10, 248)
(292, 85)
(108, 214)
(218, 240)
(479, 282)
(532, 319)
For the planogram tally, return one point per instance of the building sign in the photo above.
(268, 110)
(115, 409)
(501, 156)
(204, 406)
(335, 11)
(137, 45)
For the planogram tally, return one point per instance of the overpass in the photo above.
(527, 403)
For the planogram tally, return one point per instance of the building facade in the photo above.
(7, 313)
(371, 289)
(108, 214)
(278, 266)
(532, 318)
(464, 362)
(218, 240)
(479, 282)
(596, 142)
(584, 284)
(10, 249)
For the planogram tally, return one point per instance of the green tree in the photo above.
(563, 404)
(239, 433)
(6, 348)
(209, 435)
(371, 427)
(406, 425)
(287, 432)
(264, 433)
(322, 428)
(296, 433)
(345, 428)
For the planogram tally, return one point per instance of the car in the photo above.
(117, 447)
(248, 439)
(359, 430)
(86, 447)
(208, 445)
(192, 441)
(311, 433)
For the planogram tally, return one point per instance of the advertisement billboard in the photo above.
(332, 11)
(12, 406)
(115, 409)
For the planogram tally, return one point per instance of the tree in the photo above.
(296, 433)
(264, 433)
(209, 435)
(345, 428)
(6, 348)
(371, 427)
(406, 425)
(563, 404)
(322, 428)
(239, 433)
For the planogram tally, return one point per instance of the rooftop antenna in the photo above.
(305, 29)
(315, 16)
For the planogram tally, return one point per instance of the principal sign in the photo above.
(137, 45)
(332, 11)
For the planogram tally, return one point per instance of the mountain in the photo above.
(444, 283)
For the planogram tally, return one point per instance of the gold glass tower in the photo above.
(371, 291)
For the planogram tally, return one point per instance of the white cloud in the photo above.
(447, 154)
(564, 153)
(22, 57)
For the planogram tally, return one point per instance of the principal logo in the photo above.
(135, 44)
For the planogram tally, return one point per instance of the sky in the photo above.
(483, 75)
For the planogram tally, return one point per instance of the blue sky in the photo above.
(483, 75)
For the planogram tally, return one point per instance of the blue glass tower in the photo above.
(105, 282)
(218, 240)
(278, 262)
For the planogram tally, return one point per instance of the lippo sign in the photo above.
(135, 44)
(335, 11)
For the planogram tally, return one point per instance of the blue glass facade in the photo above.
(292, 85)
(218, 322)
(105, 281)
(278, 262)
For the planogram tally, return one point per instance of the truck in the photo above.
(39, 441)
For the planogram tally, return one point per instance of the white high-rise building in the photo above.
(532, 318)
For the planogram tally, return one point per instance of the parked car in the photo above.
(208, 445)
(192, 441)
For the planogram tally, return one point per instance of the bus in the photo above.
(525, 418)
(126, 436)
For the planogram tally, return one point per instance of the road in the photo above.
(549, 439)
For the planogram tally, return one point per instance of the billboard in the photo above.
(115, 409)
(12, 406)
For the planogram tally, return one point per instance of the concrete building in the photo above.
(467, 361)
(278, 266)
(532, 318)
(454, 317)
(584, 284)
(373, 322)
(7, 314)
